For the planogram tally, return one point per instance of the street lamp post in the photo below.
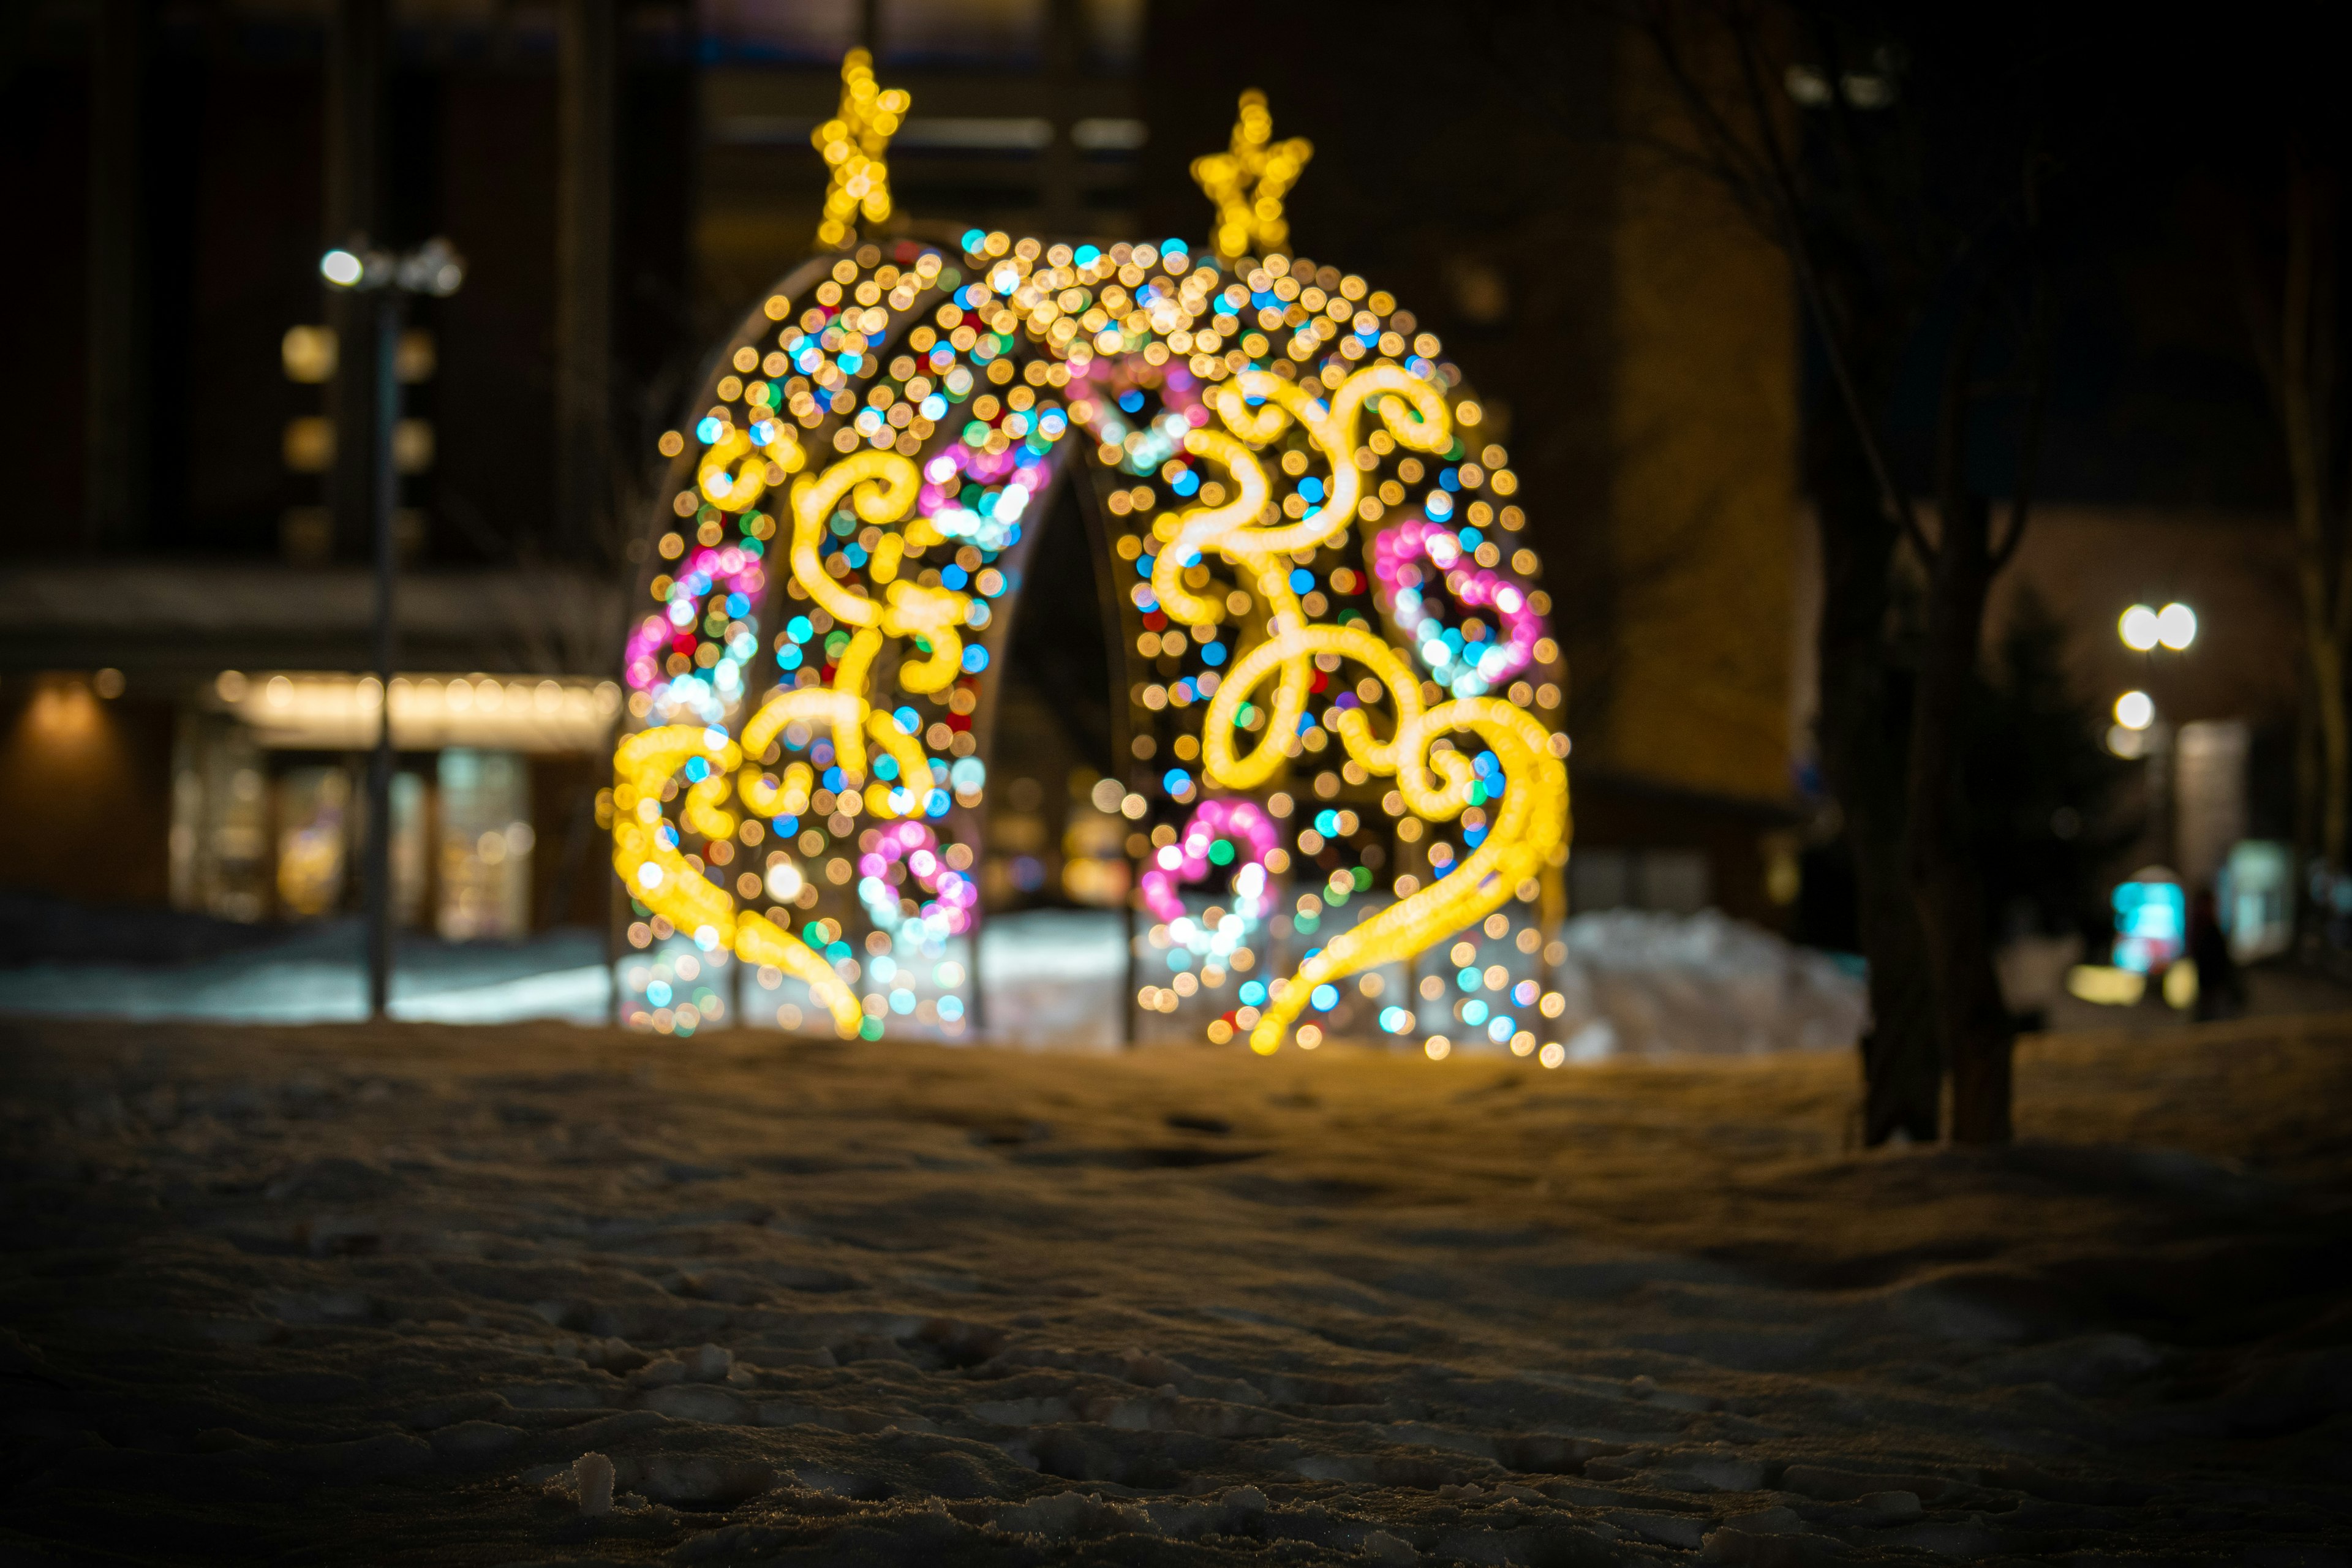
(2138, 731)
(2144, 631)
(434, 269)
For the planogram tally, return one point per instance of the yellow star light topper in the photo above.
(853, 143)
(1248, 182)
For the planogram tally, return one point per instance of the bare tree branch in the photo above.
(1958, 398)
(1893, 501)
(2038, 330)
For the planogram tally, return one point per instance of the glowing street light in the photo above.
(433, 268)
(2134, 711)
(2143, 629)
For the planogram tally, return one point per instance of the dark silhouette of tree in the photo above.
(1903, 163)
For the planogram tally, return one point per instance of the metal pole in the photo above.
(353, 153)
(386, 504)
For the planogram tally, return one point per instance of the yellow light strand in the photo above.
(658, 877)
(852, 143)
(739, 490)
(1248, 180)
(880, 488)
(1532, 823)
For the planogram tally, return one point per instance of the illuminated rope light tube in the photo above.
(645, 854)
(1296, 465)
(1534, 818)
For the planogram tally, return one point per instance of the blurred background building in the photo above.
(182, 581)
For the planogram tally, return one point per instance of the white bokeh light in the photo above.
(2176, 626)
(2134, 711)
(2139, 628)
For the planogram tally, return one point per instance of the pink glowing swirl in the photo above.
(1396, 550)
(949, 912)
(731, 570)
(1188, 858)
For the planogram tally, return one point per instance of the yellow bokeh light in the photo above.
(852, 144)
(1249, 179)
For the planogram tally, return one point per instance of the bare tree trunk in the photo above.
(1864, 269)
(1901, 1057)
(2295, 343)
(2327, 662)
(2307, 924)
(1860, 709)
(1945, 881)
(2305, 367)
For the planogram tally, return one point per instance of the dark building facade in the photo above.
(622, 179)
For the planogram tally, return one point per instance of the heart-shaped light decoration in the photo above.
(705, 578)
(953, 896)
(1239, 822)
(1187, 860)
(1466, 668)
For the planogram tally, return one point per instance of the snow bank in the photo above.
(1636, 983)
(316, 974)
(1054, 979)
(1650, 984)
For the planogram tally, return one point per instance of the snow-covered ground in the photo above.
(1635, 984)
(416, 1293)
(316, 974)
(1655, 984)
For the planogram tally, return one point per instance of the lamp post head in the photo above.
(433, 268)
(2143, 629)
(343, 268)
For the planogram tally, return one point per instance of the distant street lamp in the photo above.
(437, 270)
(2134, 711)
(2143, 629)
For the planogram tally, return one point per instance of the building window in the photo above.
(486, 845)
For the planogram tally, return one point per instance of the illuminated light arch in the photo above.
(1322, 560)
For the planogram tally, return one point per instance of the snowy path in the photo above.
(341, 1295)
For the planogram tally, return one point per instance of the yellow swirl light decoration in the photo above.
(733, 473)
(1229, 529)
(1533, 823)
(879, 487)
(648, 858)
